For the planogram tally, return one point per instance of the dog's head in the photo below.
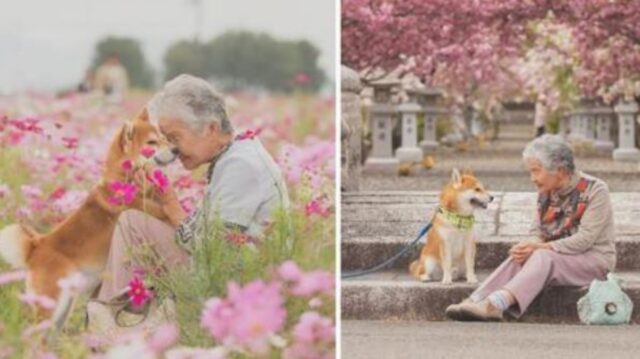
(135, 140)
(464, 193)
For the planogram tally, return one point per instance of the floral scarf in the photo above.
(559, 212)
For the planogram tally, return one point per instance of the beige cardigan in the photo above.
(596, 229)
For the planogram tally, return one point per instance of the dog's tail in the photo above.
(17, 242)
(416, 269)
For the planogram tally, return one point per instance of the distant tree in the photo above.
(131, 56)
(240, 58)
(186, 57)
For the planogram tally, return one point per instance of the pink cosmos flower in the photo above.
(249, 134)
(70, 142)
(138, 293)
(312, 328)
(15, 138)
(57, 193)
(147, 152)
(70, 201)
(314, 337)
(316, 206)
(314, 283)
(8, 277)
(4, 190)
(248, 317)
(163, 338)
(188, 204)
(31, 191)
(127, 165)
(122, 193)
(289, 271)
(159, 180)
(184, 182)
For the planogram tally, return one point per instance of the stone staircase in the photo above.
(375, 224)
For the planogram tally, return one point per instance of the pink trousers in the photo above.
(543, 268)
(138, 238)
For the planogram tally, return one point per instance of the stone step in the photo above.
(376, 224)
(396, 296)
(434, 181)
(367, 252)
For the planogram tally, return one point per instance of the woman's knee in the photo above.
(542, 256)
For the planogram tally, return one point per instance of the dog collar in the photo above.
(464, 223)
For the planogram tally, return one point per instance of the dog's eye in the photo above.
(152, 142)
(478, 189)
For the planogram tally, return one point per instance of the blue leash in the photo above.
(389, 261)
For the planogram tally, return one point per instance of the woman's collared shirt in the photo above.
(245, 190)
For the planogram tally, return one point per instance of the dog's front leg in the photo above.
(150, 207)
(469, 259)
(447, 262)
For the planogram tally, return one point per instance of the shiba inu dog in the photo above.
(80, 244)
(450, 245)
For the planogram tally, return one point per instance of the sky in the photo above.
(48, 44)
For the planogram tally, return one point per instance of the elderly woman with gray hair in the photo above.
(572, 244)
(244, 184)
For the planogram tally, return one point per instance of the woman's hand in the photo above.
(521, 251)
(167, 198)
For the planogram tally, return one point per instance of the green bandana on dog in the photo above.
(463, 223)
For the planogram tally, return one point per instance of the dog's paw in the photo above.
(424, 278)
(446, 280)
(472, 279)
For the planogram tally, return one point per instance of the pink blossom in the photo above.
(57, 193)
(127, 165)
(138, 293)
(31, 191)
(248, 317)
(122, 193)
(159, 180)
(147, 152)
(289, 271)
(70, 142)
(4, 190)
(188, 204)
(314, 338)
(70, 201)
(8, 277)
(314, 283)
(163, 338)
(248, 134)
(316, 206)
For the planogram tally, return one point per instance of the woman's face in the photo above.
(195, 147)
(545, 180)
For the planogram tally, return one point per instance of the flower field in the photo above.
(275, 299)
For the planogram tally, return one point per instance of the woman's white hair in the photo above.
(192, 100)
(552, 151)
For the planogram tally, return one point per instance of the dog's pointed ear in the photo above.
(456, 180)
(144, 115)
(126, 136)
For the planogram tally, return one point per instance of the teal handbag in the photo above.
(605, 303)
